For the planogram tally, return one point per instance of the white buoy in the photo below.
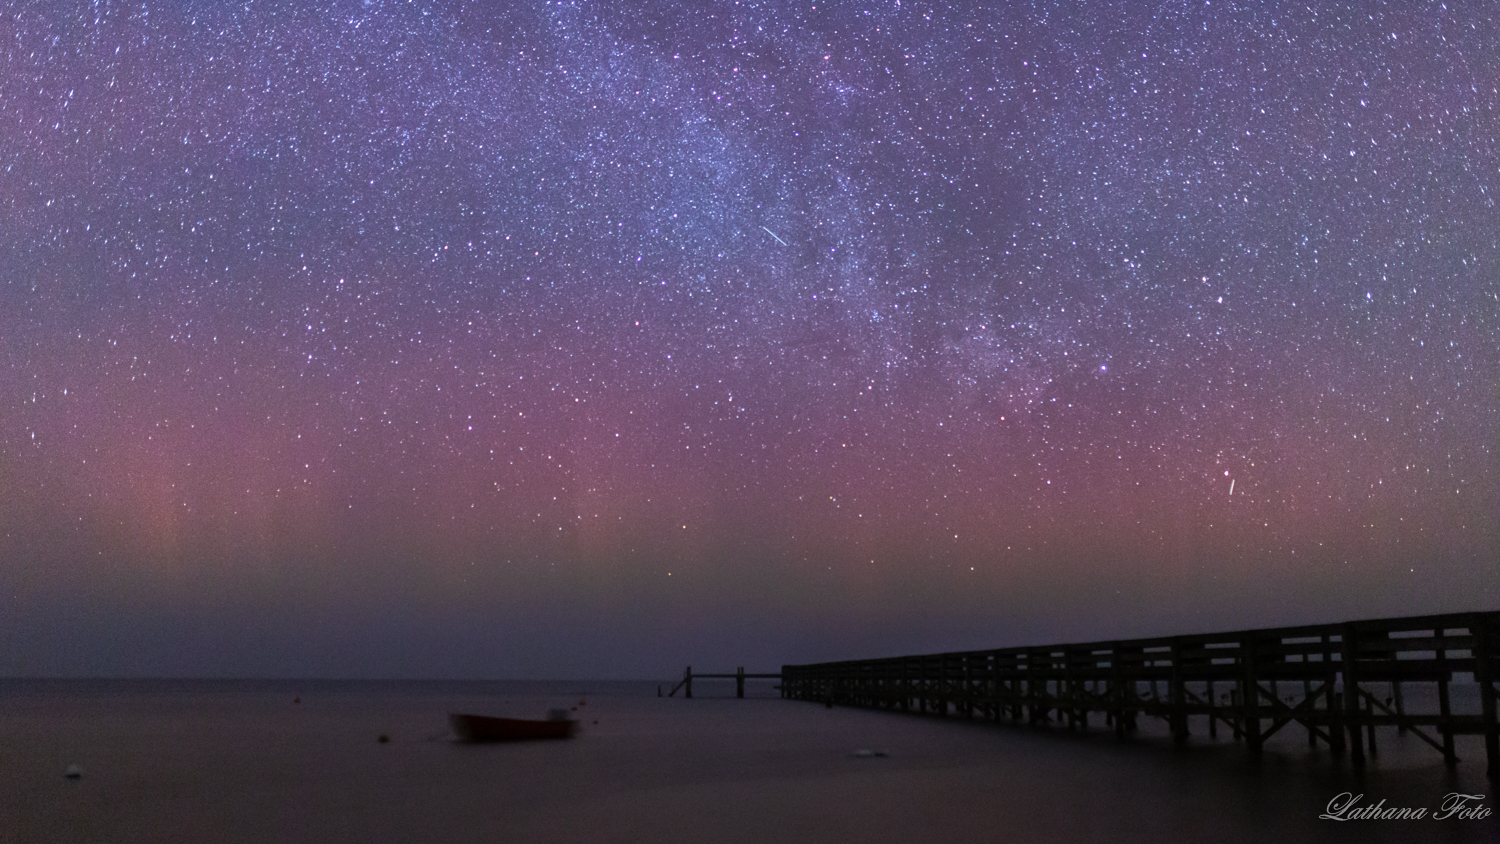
(73, 771)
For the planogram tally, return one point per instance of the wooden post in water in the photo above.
(1444, 708)
(739, 682)
(1016, 688)
(1351, 696)
(1178, 694)
(1250, 694)
(1129, 692)
(1484, 672)
(1067, 691)
(917, 670)
(996, 685)
(942, 687)
(906, 685)
(1112, 714)
(1334, 703)
(1213, 712)
(1307, 698)
(1400, 706)
(687, 682)
(1237, 710)
(1032, 716)
(968, 681)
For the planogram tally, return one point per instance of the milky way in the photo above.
(842, 327)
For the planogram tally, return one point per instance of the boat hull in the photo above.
(482, 728)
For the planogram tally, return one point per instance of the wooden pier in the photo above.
(739, 678)
(1339, 682)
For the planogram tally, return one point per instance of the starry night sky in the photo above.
(593, 339)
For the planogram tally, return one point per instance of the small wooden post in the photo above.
(739, 682)
(1250, 695)
(1400, 705)
(1031, 694)
(942, 701)
(1213, 712)
(1117, 688)
(1350, 668)
(1068, 691)
(905, 685)
(1178, 694)
(997, 686)
(1090, 688)
(1484, 657)
(1312, 711)
(1334, 703)
(687, 682)
(968, 695)
(922, 684)
(1237, 707)
(1444, 709)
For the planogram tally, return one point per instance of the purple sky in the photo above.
(594, 339)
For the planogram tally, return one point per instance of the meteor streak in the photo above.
(773, 234)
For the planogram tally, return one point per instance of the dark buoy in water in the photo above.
(296, 700)
(73, 771)
(384, 739)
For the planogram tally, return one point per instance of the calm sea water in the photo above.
(241, 761)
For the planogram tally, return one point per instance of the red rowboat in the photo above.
(484, 728)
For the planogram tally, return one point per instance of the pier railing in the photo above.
(739, 678)
(1337, 681)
